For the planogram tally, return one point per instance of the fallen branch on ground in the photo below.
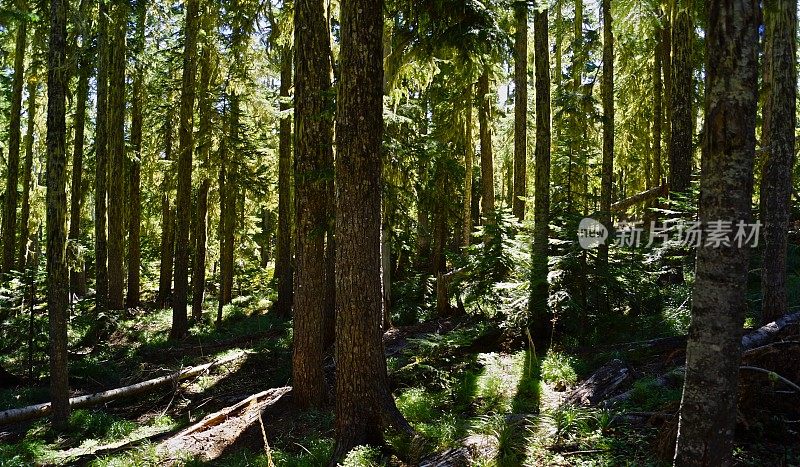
(41, 410)
(771, 374)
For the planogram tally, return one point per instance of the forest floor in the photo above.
(474, 394)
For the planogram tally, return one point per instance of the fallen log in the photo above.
(41, 410)
(211, 436)
(750, 341)
(642, 197)
(601, 384)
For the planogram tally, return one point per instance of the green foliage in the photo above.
(22, 454)
(558, 369)
(363, 456)
(84, 424)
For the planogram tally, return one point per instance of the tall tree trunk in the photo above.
(14, 136)
(284, 270)
(608, 133)
(313, 152)
(228, 206)
(680, 148)
(361, 381)
(180, 322)
(469, 160)
(27, 176)
(117, 162)
(666, 64)
(167, 220)
(539, 310)
(57, 275)
(135, 206)
(77, 279)
(521, 109)
(779, 135)
(101, 163)
(658, 111)
(204, 150)
(224, 221)
(487, 160)
(719, 301)
(578, 64)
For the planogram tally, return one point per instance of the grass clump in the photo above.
(363, 456)
(558, 369)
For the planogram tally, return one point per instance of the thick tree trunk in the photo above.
(14, 136)
(578, 120)
(27, 176)
(284, 271)
(666, 65)
(116, 162)
(779, 136)
(361, 380)
(608, 133)
(203, 152)
(180, 321)
(469, 161)
(719, 301)
(167, 221)
(487, 160)
(521, 108)
(101, 164)
(680, 148)
(134, 200)
(313, 152)
(57, 275)
(228, 205)
(539, 310)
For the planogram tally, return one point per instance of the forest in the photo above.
(399, 233)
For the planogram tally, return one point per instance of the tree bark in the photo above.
(680, 148)
(134, 200)
(487, 160)
(167, 220)
(658, 111)
(521, 108)
(539, 310)
(14, 136)
(779, 140)
(284, 270)
(117, 161)
(608, 132)
(313, 151)
(719, 300)
(203, 152)
(57, 275)
(27, 176)
(101, 163)
(361, 381)
(77, 278)
(469, 161)
(180, 322)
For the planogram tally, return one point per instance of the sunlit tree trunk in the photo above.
(77, 278)
(117, 161)
(520, 189)
(134, 200)
(658, 110)
(779, 140)
(719, 300)
(487, 160)
(101, 162)
(180, 322)
(608, 131)
(469, 160)
(14, 137)
(203, 153)
(539, 313)
(313, 153)
(57, 274)
(284, 270)
(362, 393)
(167, 220)
(27, 176)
